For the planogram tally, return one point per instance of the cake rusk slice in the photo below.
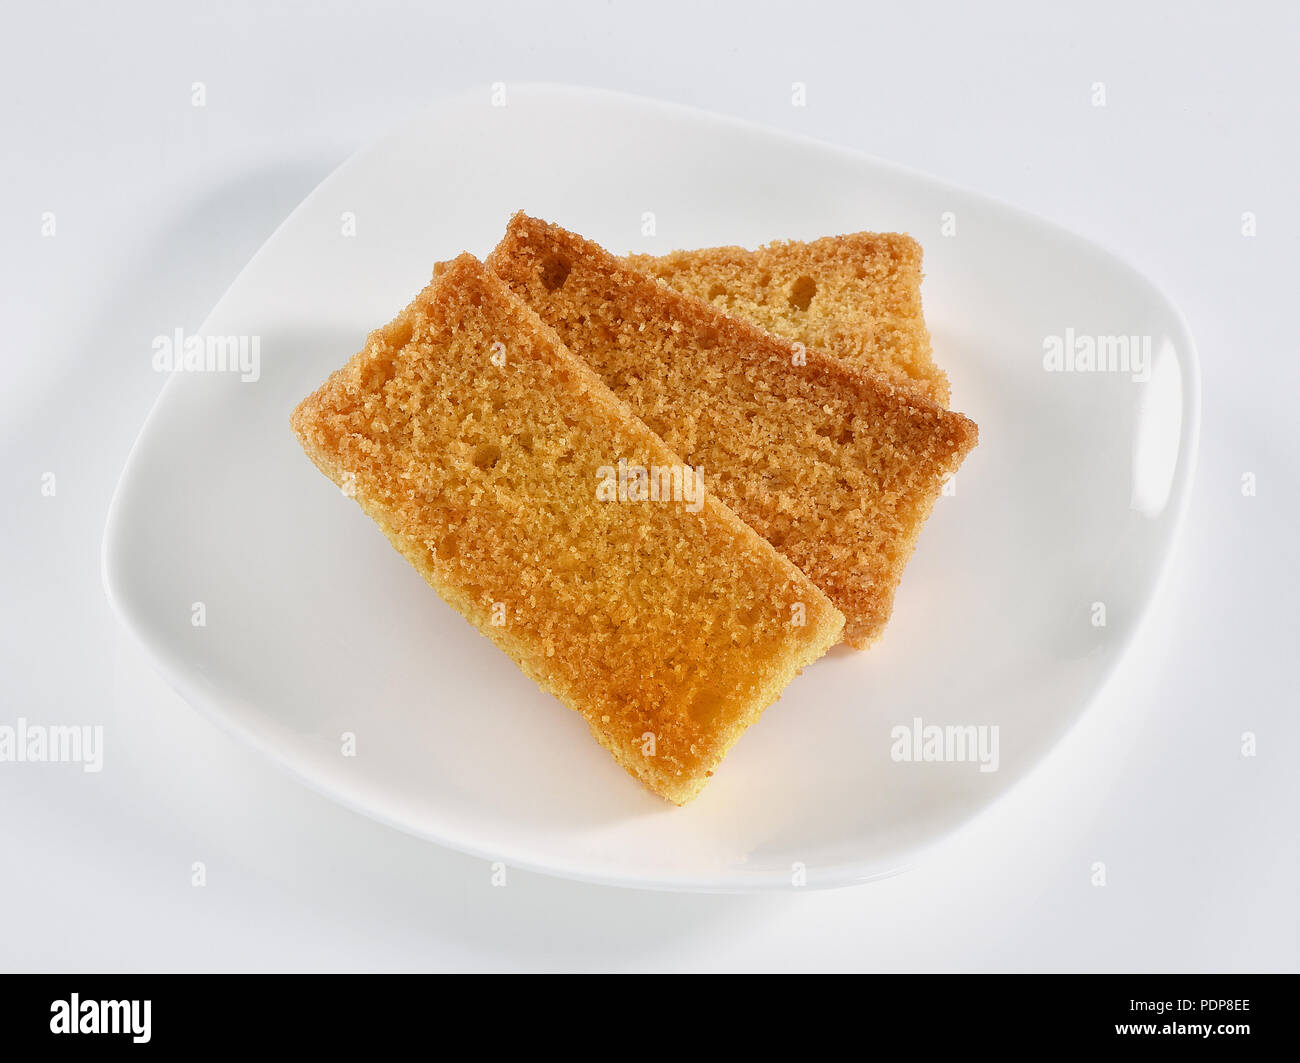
(489, 455)
(857, 297)
(836, 468)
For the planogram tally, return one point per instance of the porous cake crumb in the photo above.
(857, 297)
(476, 441)
(836, 467)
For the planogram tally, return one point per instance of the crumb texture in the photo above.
(857, 297)
(475, 440)
(836, 468)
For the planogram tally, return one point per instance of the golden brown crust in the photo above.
(857, 297)
(668, 630)
(837, 468)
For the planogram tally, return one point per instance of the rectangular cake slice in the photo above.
(857, 297)
(504, 470)
(835, 467)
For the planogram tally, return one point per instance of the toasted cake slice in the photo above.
(857, 297)
(490, 457)
(837, 468)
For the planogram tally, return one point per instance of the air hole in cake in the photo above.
(657, 425)
(398, 333)
(447, 548)
(764, 280)
(486, 455)
(802, 292)
(379, 372)
(717, 292)
(566, 562)
(707, 706)
(555, 271)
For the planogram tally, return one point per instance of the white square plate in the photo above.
(315, 627)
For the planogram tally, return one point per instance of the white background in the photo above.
(158, 206)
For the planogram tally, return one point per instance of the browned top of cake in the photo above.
(476, 440)
(857, 297)
(837, 468)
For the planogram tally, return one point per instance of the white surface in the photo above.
(159, 204)
(314, 628)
